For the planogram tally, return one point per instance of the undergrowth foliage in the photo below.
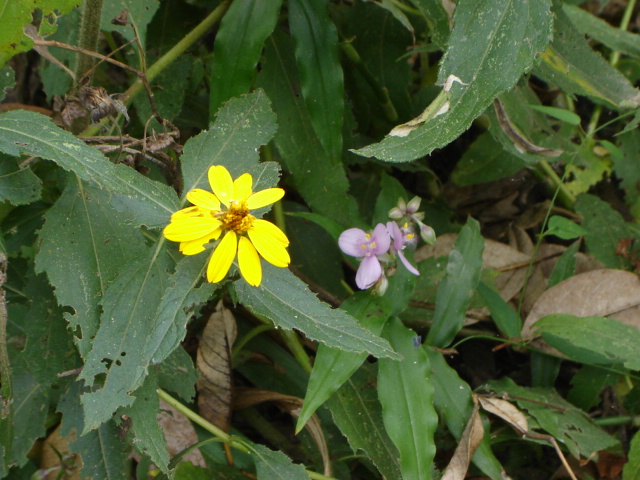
(310, 239)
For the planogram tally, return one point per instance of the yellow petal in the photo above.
(204, 199)
(187, 212)
(190, 228)
(221, 183)
(264, 198)
(270, 247)
(196, 246)
(268, 228)
(222, 258)
(242, 187)
(249, 262)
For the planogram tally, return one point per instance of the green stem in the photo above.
(292, 341)
(5, 367)
(249, 336)
(406, 8)
(88, 38)
(564, 195)
(178, 49)
(619, 420)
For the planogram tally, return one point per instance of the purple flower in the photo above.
(399, 241)
(358, 243)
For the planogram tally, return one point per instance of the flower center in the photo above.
(237, 218)
(368, 246)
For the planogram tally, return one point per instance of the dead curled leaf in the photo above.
(469, 441)
(214, 364)
(603, 293)
(506, 411)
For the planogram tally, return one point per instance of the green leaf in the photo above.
(566, 265)
(406, 394)
(506, 319)
(83, 234)
(587, 385)
(454, 293)
(321, 78)
(564, 228)
(560, 113)
(627, 169)
(452, 400)
(300, 149)
(592, 340)
(598, 29)
(332, 366)
(272, 465)
(485, 161)
(357, 412)
(177, 374)
(570, 426)
(140, 13)
(631, 469)
(238, 46)
(507, 35)
(289, 303)
(23, 132)
(15, 15)
(391, 190)
(30, 406)
(604, 229)
(570, 63)
(437, 18)
(331, 226)
(18, 186)
(149, 437)
(7, 80)
(103, 454)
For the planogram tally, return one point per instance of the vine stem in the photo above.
(89, 32)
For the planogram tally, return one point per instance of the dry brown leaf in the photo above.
(247, 397)
(469, 442)
(506, 411)
(50, 461)
(605, 292)
(179, 433)
(214, 364)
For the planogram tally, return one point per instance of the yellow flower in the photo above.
(226, 211)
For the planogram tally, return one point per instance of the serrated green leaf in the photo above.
(564, 228)
(570, 426)
(357, 412)
(592, 340)
(604, 229)
(18, 186)
(238, 46)
(7, 80)
(140, 13)
(16, 14)
(301, 152)
(289, 303)
(406, 394)
(149, 437)
(452, 400)
(570, 63)
(321, 78)
(600, 30)
(272, 465)
(331, 226)
(491, 45)
(23, 132)
(84, 235)
(332, 366)
(30, 406)
(454, 293)
(631, 470)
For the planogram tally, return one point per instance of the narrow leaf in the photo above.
(321, 78)
(491, 45)
(23, 132)
(507, 320)
(406, 394)
(560, 113)
(631, 470)
(454, 293)
(238, 47)
(289, 303)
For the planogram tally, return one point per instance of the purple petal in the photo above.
(406, 263)
(369, 272)
(396, 234)
(351, 242)
(382, 239)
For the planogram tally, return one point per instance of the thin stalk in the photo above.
(89, 32)
(5, 368)
(564, 195)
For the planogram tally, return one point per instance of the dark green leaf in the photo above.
(566, 265)
(437, 19)
(587, 385)
(177, 374)
(321, 78)
(83, 234)
(331, 226)
(289, 303)
(507, 320)
(302, 154)
(18, 186)
(570, 63)
(30, 406)
(491, 45)
(23, 132)
(631, 469)
(238, 47)
(560, 113)
(357, 412)
(276, 465)
(592, 340)
(406, 393)
(140, 13)
(332, 366)
(7, 80)
(454, 293)
(452, 399)
(627, 169)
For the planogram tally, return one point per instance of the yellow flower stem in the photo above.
(278, 214)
